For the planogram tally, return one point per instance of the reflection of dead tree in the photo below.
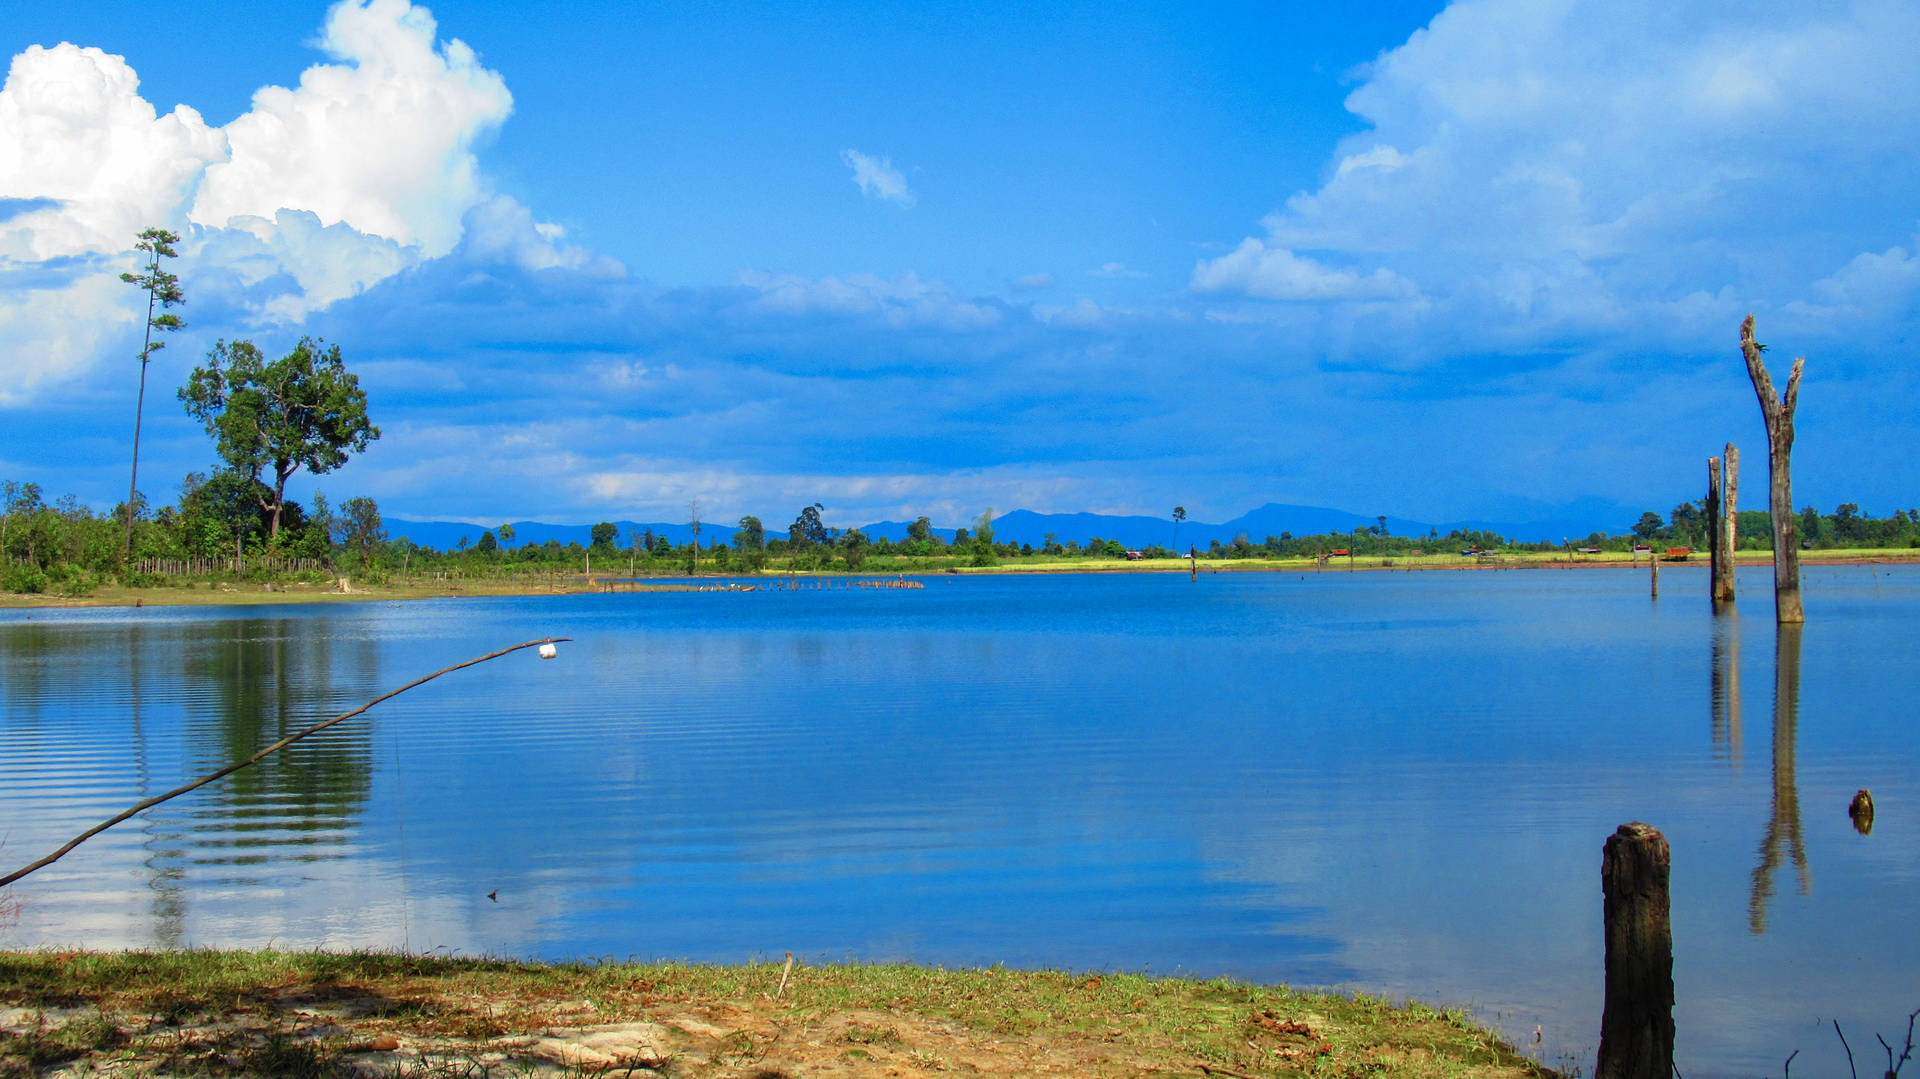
(1783, 828)
(1725, 692)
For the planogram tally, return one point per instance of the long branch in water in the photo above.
(257, 757)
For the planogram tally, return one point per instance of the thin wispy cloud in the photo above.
(877, 178)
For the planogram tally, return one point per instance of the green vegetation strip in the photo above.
(221, 1013)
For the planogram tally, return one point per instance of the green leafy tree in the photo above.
(220, 513)
(1649, 525)
(487, 544)
(1849, 528)
(362, 530)
(316, 539)
(1809, 525)
(983, 549)
(751, 541)
(853, 548)
(1688, 522)
(752, 535)
(505, 532)
(602, 536)
(920, 529)
(1179, 514)
(163, 291)
(304, 410)
(808, 529)
(16, 500)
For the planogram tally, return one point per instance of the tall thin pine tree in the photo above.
(163, 291)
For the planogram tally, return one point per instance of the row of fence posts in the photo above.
(203, 567)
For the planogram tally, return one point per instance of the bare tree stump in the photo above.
(1860, 810)
(1712, 516)
(1778, 412)
(1727, 533)
(1636, 1028)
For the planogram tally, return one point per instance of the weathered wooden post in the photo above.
(1726, 530)
(1712, 517)
(1778, 412)
(1636, 1027)
(1653, 560)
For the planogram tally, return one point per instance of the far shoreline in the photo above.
(252, 594)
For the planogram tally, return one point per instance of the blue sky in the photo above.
(1485, 259)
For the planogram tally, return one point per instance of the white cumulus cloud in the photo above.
(78, 135)
(1550, 167)
(381, 141)
(877, 178)
(364, 169)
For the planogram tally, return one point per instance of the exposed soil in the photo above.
(456, 1025)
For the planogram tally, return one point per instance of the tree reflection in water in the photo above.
(266, 681)
(1783, 828)
(1725, 691)
(160, 837)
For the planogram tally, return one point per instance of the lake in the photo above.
(1394, 783)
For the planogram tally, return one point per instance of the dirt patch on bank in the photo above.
(89, 1014)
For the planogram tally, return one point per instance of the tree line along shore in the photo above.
(218, 540)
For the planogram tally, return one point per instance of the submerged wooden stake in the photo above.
(1636, 1027)
(256, 758)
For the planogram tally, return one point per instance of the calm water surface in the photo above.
(1393, 783)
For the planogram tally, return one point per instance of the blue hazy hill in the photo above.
(1573, 521)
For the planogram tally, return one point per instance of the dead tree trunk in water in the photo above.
(1726, 529)
(1636, 1027)
(1778, 412)
(1712, 517)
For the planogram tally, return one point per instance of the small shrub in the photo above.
(72, 580)
(28, 580)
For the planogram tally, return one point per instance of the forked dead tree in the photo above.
(1777, 410)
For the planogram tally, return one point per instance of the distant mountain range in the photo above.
(1025, 526)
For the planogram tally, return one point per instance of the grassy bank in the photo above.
(325, 1014)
